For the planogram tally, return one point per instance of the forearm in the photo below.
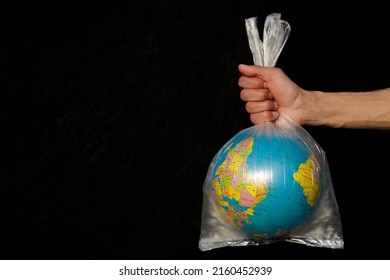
(348, 109)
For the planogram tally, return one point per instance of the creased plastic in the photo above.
(220, 225)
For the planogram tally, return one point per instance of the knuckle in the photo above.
(258, 83)
(241, 81)
(244, 95)
(269, 104)
(249, 107)
(255, 119)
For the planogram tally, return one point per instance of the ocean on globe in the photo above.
(266, 182)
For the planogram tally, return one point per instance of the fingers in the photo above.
(251, 82)
(260, 103)
(261, 72)
(247, 70)
(260, 107)
(265, 116)
(255, 95)
(254, 107)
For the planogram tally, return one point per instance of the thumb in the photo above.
(249, 70)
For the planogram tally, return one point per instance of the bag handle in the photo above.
(275, 34)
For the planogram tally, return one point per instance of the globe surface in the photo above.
(266, 182)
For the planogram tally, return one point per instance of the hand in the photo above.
(268, 92)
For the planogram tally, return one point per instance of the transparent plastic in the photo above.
(270, 182)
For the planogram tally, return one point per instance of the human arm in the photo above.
(268, 92)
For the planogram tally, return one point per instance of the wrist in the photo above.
(313, 112)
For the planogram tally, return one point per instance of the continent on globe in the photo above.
(233, 182)
(308, 179)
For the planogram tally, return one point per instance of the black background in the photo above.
(111, 113)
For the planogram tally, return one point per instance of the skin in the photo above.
(269, 92)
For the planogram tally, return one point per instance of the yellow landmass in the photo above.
(236, 195)
(252, 190)
(306, 176)
(259, 235)
(217, 189)
(250, 211)
(261, 192)
(223, 203)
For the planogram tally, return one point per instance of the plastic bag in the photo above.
(270, 182)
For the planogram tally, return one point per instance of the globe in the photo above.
(266, 181)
